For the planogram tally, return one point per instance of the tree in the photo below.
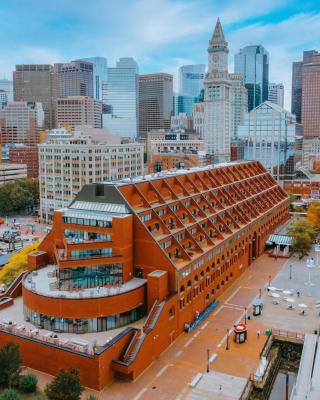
(65, 386)
(28, 383)
(17, 263)
(303, 234)
(9, 394)
(10, 363)
(19, 195)
(313, 215)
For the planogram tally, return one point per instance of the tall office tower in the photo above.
(3, 98)
(296, 100)
(198, 118)
(310, 108)
(21, 122)
(67, 162)
(217, 98)
(37, 83)
(7, 86)
(155, 102)
(121, 98)
(75, 78)
(74, 111)
(239, 102)
(252, 62)
(191, 79)
(100, 74)
(183, 104)
(276, 93)
(268, 135)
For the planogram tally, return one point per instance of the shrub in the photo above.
(92, 397)
(65, 386)
(9, 394)
(28, 383)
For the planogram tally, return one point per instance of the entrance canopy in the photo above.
(280, 240)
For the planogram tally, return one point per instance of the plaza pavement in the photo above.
(170, 374)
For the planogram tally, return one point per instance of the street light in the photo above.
(269, 280)
(227, 345)
(208, 360)
(245, 315)
(290, 272)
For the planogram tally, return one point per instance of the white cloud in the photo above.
(26, 55)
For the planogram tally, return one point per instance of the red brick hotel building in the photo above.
(164, 246)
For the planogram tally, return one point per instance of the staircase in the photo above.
(152, 316)
(124, 364)
(14, 290)
(133, 346)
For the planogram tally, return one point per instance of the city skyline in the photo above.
(62, 32)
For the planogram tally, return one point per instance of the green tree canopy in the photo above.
(19, 196)
(65, 386)
(303, 234)
(10, 363)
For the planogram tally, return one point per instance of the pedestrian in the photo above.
(298, 294)
(258, 333)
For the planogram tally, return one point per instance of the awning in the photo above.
(280, 240)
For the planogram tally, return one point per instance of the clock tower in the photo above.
(218, 51)
(217, 86)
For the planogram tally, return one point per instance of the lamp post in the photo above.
(208, 360)
(227, 345)
(290, 272)
(260, 293)
(245, 315)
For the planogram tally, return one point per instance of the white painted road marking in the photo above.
(205, 325)
(140, 394)
(188, 342)
(163, 369)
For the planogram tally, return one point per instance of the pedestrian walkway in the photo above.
(169, 376)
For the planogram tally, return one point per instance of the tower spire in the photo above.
(218, 35)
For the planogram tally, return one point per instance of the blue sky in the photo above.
(160, 34)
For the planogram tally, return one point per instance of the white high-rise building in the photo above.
(276, 93)
(239, 102)
(67, 162)
(217, 86)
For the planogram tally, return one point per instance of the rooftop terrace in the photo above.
(44, 282)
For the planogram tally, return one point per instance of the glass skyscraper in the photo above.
(183, 104)
(252, 62)
(122, 98)
(7, 86)
(191, 79)
(268, 135)
(190, 88)
(100, 74)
